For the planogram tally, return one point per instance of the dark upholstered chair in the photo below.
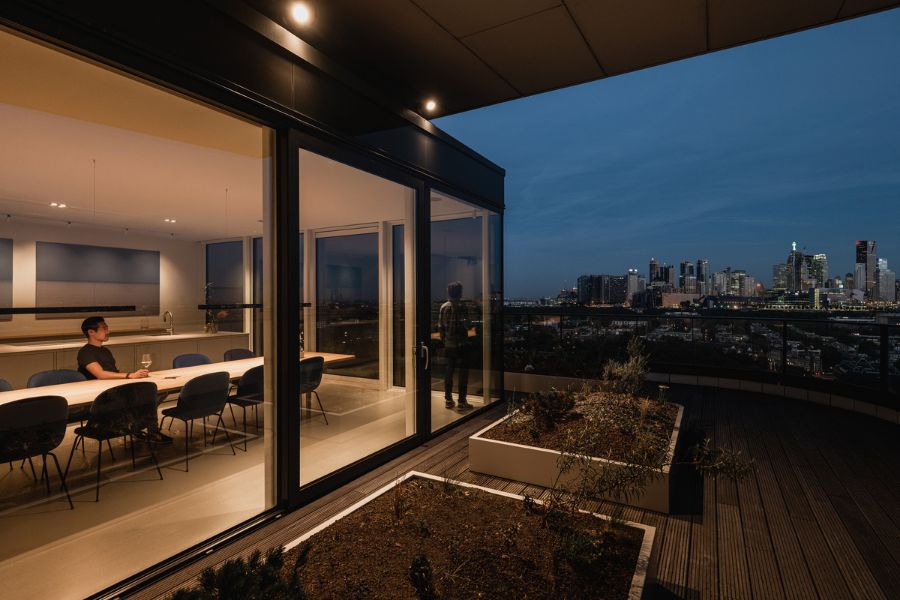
(311, 370)
(249, 394)
(125, 411)
(201, 397)
(190, 360)
(5, 386)
(34, 427)
(54, 377)
(239, 354)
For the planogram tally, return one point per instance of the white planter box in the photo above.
(540, 466)
(638, 581)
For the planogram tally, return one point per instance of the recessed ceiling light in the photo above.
(301, 13)
(62, 205)
(54, 204)
(430, 105)
(169, 220)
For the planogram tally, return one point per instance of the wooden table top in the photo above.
(82, 393)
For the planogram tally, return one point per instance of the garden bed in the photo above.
(510, 449)
(479, 543)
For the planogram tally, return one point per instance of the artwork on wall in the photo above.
(6, 269)
(81, 275)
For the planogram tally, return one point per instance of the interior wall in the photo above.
(180, 279)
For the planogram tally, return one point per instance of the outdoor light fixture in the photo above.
(301, 13)
(430, 106)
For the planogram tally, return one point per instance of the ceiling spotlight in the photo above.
(54, 204)
(62, 205)
(430, 105)
(169, 220)
(301, 13)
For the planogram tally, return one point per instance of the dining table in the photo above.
(80, 394)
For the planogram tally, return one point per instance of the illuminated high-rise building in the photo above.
(703, 276)
(819, 269)
(654, 270)
(866, 268)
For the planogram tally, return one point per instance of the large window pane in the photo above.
(225, 285)
(124, 202)
(466, 293)
(358, 291)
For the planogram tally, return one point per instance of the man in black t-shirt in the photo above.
(97, 362)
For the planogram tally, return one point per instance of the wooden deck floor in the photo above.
(819, 519)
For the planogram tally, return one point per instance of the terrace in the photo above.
(816, 519)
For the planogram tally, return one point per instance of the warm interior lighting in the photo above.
(169, 220)
(57, 205)
(301, 13)
(430, 105)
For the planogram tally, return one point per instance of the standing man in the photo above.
(453, 325)
(97, 362)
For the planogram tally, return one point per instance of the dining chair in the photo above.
(5, 386)
(249, 393)
(126, 411)
(54, 377)
(190, 360)
(239, 354)
(201, 397)
(311, 371)
(35, 427)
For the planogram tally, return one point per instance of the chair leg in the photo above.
(244, 419)
(108, 445)
(189, 435)
(133, 463)
(320, 406)
(227, 437)
(152, 445)
(215, 431)
(72, 453)
(62, 480)
(99, 460)
(45, 472)
(33, 472)
(233, 418)
(256, 416)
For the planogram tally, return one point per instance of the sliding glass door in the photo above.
(357, 371)
(466, 297)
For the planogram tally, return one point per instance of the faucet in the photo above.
(171, 328)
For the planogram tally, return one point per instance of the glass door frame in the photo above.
(486, 210)
(287, 296)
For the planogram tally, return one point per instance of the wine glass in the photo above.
(146, 361)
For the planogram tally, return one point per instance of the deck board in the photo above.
(819, 517)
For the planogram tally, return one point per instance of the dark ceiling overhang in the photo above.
(472, 53)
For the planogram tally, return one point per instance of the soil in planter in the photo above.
(479, 545)
(617, 420)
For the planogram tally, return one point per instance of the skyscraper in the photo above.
(686, 270)
(780, 276)
(886, 281)
(654, 270)
(866, 277)
(819, 269)
(703, 276)
(635, 284)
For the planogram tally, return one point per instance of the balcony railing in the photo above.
(851, 357)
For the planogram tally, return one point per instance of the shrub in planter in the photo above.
(257, 578)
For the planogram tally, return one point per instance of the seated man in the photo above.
(97, 362)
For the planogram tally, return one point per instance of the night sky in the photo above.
(729, 156)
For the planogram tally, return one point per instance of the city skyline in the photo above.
(729, 156)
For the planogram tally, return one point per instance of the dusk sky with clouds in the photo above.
(729, 156)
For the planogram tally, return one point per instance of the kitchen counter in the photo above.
(114, 340)
(20, 360)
